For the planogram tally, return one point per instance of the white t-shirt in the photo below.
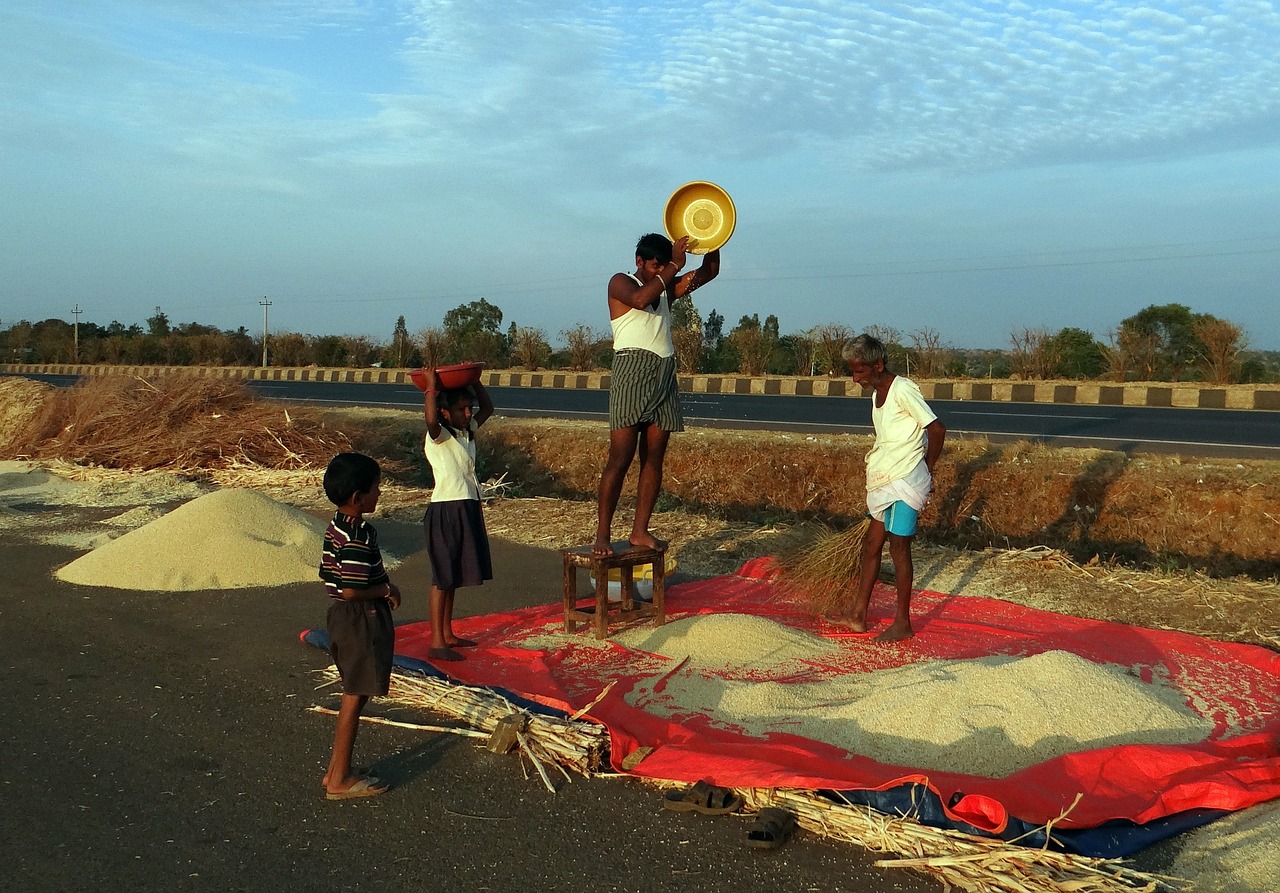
(900, 439)
(453, 465)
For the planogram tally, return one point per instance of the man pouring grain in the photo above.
(644, 397)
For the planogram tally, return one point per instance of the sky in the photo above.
(970, 168)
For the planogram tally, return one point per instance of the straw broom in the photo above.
(826, 570)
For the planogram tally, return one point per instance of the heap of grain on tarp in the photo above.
(988, 716)
(227, 539)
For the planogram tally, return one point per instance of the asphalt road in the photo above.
(1192, 432)
(161, 742)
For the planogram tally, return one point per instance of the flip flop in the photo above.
(702, 797)
(363, 788)
(771, 830)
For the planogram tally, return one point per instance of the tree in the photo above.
(1033, 353)
(686, 334)
(1167, 332)
(434, 344)
(401, 345)
(829, 341)
(1221, 343)
(529, 346)
(584, 345)
(928, 352)
(1079, 353)
(475, 332)
(158, 325)
(754, 343)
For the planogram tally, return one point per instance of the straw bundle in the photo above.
(826, 570)
(960, 861)
(545, 741)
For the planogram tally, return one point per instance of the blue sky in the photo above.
(969, 167)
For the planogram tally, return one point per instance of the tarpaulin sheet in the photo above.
(1235, 686)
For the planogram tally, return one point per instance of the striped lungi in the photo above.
(644, 391)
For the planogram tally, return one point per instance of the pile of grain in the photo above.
(740, 643)
(990, 716)
(1239, 853)
(227, 539)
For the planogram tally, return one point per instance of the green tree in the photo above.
(474, 332)
(1078, 353)
(1170, 331)
(158, 325)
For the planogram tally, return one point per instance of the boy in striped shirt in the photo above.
(361, 633)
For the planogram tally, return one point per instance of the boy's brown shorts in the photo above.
(362, 640)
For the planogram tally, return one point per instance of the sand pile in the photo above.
(224, 540)
(989, 717)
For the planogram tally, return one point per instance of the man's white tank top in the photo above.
(645, 329)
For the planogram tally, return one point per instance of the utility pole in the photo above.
(265, 304)
(75, 329)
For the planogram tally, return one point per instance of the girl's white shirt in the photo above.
(453, 465)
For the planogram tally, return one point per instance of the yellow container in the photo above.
(641, 574)
(704, 212)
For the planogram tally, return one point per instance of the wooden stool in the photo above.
(625, 558)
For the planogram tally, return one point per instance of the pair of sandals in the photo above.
(771, 829)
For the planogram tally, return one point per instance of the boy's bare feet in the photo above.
(456, 642)
(897, 632)
(647, 540)
(602, 548)
(444, 654)
(366, 786)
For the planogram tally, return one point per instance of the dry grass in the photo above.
(173, 423)
(826, 569)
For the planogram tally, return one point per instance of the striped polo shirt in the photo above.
(351, 558)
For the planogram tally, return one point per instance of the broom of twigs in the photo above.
(544, 742)
(825, 571)
(960, 861)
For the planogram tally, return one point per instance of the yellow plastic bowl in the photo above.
(704, 212)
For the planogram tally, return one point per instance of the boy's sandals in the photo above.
(363, 787)
(771, 830)
(702, 797)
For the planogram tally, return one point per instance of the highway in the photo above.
(1191, 432)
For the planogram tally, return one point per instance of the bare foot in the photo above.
(456, 642)
(647, 540)
(444, 654)
(898, 631)
(857, 624)
(602, 548)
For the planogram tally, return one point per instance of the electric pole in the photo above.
(265, 304)
(75, 330)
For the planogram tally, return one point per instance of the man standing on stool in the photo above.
(644, 398)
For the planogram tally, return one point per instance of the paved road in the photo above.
(1194, 432)
(1199, 432)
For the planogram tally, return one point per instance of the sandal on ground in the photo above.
(771, 830)
(365, 787)
(703, 797)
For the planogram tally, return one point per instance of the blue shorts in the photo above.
(900, 519)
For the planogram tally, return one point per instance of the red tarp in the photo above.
(1237, 686)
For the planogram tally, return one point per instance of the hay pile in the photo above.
(20, 399)
(177, 423)
(227, 539)
(989, 716)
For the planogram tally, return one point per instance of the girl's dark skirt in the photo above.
(457, 544)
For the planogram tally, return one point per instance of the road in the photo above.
(1197, 432)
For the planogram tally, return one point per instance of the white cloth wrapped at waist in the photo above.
(914, 490)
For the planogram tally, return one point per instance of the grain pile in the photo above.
(737, 643)
(226, 539)
(989, 717)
